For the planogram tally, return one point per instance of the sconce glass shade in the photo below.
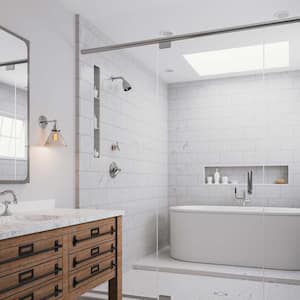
(55, 139)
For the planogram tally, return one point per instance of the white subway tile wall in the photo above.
(251, 120)
(138, 120)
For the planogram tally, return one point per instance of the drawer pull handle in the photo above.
(95, 273)
(93, 255)
(31, 279)
(55, 294)
(25, 251)
(26, 276)
(95, 231)
(95, 234)
(27, 297)
(95, 251)
(95, 269)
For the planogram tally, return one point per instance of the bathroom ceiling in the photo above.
(133, 20)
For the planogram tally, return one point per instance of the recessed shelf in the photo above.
(237, 175)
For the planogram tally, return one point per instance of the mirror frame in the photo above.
(27, 178)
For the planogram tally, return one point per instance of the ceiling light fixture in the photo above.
(166, 33)
(55, 138)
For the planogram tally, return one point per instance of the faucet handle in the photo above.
(114, 170)
(5, 204)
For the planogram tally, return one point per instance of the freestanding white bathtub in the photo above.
(239, 236)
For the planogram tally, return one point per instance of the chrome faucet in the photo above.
(7, 202)
(244, 199)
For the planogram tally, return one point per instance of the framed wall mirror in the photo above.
(14, 108)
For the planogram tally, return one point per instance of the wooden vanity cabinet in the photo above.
(63, 263)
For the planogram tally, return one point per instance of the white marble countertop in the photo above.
(42, 220)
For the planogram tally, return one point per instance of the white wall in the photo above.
(51, 32)
(235, 121)
(138, 121)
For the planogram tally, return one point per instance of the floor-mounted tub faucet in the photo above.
(250, 182)
(245, 198)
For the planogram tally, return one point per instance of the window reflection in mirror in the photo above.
(14, 99)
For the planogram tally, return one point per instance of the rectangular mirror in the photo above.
(14, 108)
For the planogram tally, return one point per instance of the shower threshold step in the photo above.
(165, 263)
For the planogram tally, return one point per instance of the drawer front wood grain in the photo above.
(93, 234)
(94, 273)
(30, 277)
(28, 252)
(52, 291)
(96, 253)
(63, 263)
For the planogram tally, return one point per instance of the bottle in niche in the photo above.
(96, 92)
(217, 177)
(95, 122)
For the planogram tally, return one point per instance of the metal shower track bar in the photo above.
(166, 40)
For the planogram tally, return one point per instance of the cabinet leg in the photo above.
(115, 284)
(114, 292)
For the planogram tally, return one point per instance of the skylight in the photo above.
(239, 60)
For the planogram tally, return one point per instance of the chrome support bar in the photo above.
(163, 42)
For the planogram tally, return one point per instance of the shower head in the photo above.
(126, 85)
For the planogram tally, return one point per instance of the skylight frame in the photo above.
(241, 60)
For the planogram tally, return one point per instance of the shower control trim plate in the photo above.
(114, 170)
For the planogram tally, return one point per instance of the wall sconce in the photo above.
(55, 138)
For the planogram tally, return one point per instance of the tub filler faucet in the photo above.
(245, 198)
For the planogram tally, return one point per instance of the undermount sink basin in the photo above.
(37, 218)
(7, 220)
(26, 218)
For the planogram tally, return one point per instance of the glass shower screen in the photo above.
(204, 138)
(233, 120)
(123, 159)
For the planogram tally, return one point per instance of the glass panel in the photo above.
(130, 121)
(215, 94)
(225, 227)
(280, 192)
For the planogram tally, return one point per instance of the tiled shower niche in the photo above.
(262, 174)
(96, 112)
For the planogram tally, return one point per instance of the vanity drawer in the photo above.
(93, 254)
(51, 291)
(92, 234)
(28, 251)
(96, 274)
(27, 278)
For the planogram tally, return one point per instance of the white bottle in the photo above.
(95, 122)
(217, 177)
